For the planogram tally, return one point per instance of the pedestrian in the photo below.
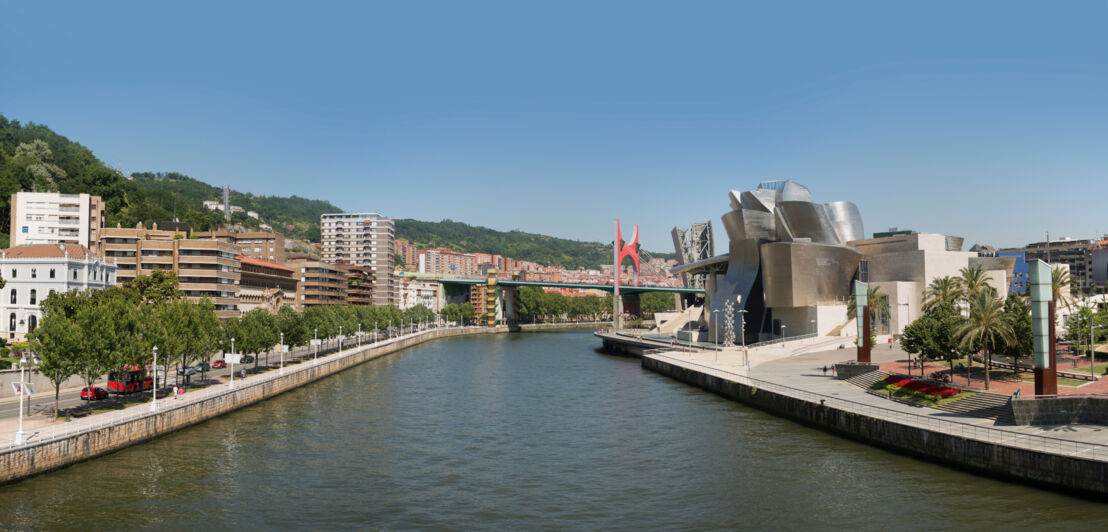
(174, 391)
(181, 392)
(825, 370)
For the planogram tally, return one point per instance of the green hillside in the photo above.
(541, 249)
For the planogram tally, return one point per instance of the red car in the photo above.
(219, 364)
(96, 393)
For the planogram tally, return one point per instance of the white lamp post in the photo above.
(782, 335)
(154, 403)
(282, 353)
(232, 357)
(20, 436)
(315, 360)
(742, 335)
(340, 337)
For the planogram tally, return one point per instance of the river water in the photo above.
(517, 431)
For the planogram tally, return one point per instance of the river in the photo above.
(522, 431)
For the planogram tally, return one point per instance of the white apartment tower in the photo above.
(55, 218)
(363, 239)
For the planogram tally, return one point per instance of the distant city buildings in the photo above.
(321, 283)
(363, 239)
(55, 218)
(33, 272)
(255, 244)
(1077, 254)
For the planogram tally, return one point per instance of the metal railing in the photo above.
(62, 430)
(1050, 444)
(781, 340)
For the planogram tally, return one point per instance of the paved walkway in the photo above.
(798, 366)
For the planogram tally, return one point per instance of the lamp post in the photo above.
(374, 331)
(154, 403)
(782, 335)
(359, 334)
(20, 436)
(1092, 349)
(340, 337)
(315, 337)
(232, 383)
(908, 308)
(742, 335)
(282, 353)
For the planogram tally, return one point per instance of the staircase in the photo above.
(983, 405)
(867, 380)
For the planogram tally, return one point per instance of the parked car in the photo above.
(219, 364)
(189, 370)
(247, 359)
(95, 393)
(203, 366)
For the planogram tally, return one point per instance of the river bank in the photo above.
(61, 444)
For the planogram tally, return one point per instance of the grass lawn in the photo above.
(1061, 381)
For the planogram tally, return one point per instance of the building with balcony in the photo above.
(55, 218)
(261, 245)
(364, 240)
(35, 271)
(359, 284)
(416, 291)
(320, 283)
(448, 262)
(205, 268)
(267, 285)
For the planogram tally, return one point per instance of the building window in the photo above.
(13, 296)
(51, 273)
(34, 273)
(32, 323)
(11, 322)
(34, 296)
(13, 273)
(74, 275)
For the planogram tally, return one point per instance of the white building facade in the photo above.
(363, 239)
(33, 272)
(419, 292)
(55, 218)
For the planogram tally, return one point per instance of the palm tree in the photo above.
(941, 290)
(974, 279)
(987, 326)
(1060, 285)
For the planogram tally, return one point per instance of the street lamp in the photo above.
(340, 337)
(782, 335)
(742, 335)
(1092, 349)
(282, 353)
(154, 403)
(232, 357)
(908, 308)
(315, 341)
(21, 437)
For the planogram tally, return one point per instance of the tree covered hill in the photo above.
(518, 245)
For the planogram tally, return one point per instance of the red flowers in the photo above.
(922, 387)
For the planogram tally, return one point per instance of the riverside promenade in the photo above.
(788, 379)
(53, 444)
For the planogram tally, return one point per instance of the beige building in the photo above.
(904, 265)
(256, 244)
(363, 239)
(320, 283)
(55, 218)
(267, 285)
(204, 268)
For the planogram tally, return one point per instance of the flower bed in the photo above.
(932, 391)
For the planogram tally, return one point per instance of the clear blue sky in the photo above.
(987, 120)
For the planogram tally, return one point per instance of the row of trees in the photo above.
(965, 315)
(90, 334)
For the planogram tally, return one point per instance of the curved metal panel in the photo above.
(808, 220)
(846, 220)
(796, 274)
(759, 200)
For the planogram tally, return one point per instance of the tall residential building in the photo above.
(33, 272)
(408, 252)
(205, 268)
(320, 283)
(447, 262)
(255, 244)
(363, 239)
(55, 218)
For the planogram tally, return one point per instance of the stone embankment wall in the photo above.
(849, 370)
(1060, 411)
(1070, 473)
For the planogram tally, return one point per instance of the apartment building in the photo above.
(414, 291)
(359, 284)
(1075, 253)
(320, 283)
(261, 245)
(363, 239)
(408, 252)
(265, 284)
(33, 272)
(205, 268)
(55, 218)
(447, 262)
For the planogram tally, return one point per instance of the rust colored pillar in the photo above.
(1046, 379)
(864, 344)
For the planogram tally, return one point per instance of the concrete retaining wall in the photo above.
(850, 370)
(1060, 410)
(1080, 476)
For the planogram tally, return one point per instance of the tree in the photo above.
(161, 285)
(1061, 284)
(1018, 311)
(293, 326)
(418, 314)
(942, 290)
(987, 328)
(933, 335)
(204, 332)
(466, 313)
(974, 279)
(651, 302)
(168, 330)
(451, 313)
(57, 340)
(261, 331)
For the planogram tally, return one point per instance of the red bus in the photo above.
(131, 379)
